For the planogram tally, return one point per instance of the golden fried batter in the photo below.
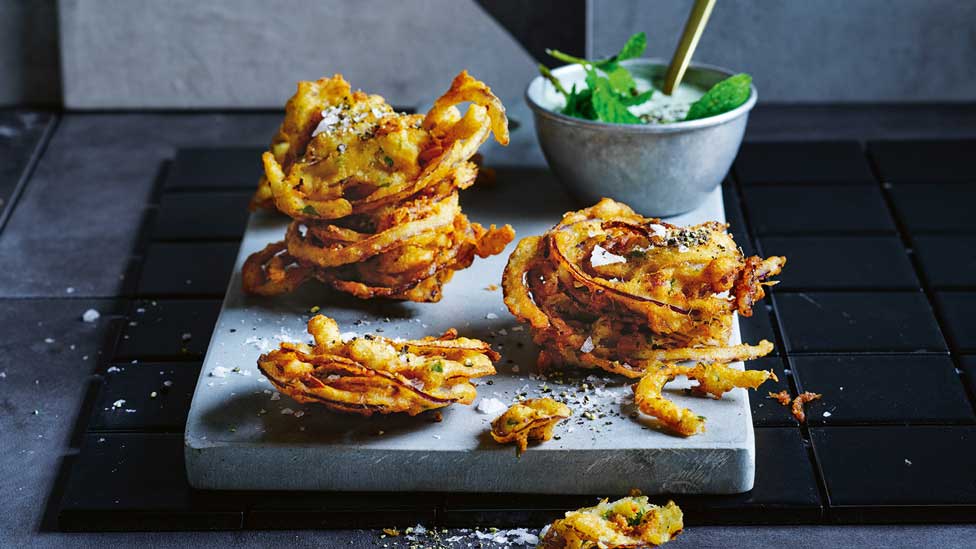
(374, 193)
(532, 419)
(799, 401)
(629, 522)
(607, 288)
(371, 374)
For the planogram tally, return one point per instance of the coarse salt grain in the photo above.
(601, 257)
(491, 406)
(587, 345)
(91, 315)
(219, 371)
(491, 316)
(118, 403)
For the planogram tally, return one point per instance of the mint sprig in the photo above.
(610, 88)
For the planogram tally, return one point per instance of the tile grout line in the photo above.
(927, 290)
(28, 172)
(785, 358)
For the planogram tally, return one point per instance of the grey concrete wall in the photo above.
(29, 72)
(814, 51)
(250, 53)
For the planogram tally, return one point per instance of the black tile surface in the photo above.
(803, 162)
(934, 161)
(137, 482)
(145, 396)
(882, 389)
(759, 326)
(842, 262)
(967, 364)
(785, 491)
(767, 412)
(817, 210)
(302, 510)
(857, 322)
(898, 474)
(201, 216)
(958, 310)
(947, 261)
(935, 208)
(215, 168)
(509, 510)
(735, 217)
(187, 269)
(168, 329)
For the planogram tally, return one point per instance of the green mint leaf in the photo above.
(723, 97)
(310, 210)
(634, 47)
(579, 104)
(608, 107)
(631, 100)
(621, 80)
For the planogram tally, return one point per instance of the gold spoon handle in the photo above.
(694, 28)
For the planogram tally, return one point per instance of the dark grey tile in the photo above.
(187, 269)
(137, 482)
(201, 216)
(909, 389)
(947, 261)
(145, 396)
(822, 209)
(803, 162)
(768, 412)
(842, 263)
(167, 329)
(967, 364)
(304, 510)
(896, 473)
(759, 326)
(931, 161)
(21, 136)
(827, 322)
(935, 208)
(213, 168)
(958, 309)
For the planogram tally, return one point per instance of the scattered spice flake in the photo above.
(391, 532)
(492, 287)
(798, 403)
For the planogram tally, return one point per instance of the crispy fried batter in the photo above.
(607, 288)
(713, 379)
(799, 401)
(532, 419)
(783, 397)
(371, 374)
(629, 522)
(374, 193)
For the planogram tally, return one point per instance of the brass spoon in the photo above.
(694, 28)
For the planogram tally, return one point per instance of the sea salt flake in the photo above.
(658, 230)
(118, 403)
(287, 411)
(113, 369)
(91, 315)
(491, 406)
(276, 396)
(587, 345)
(219, 371)
(491, 316)
(601, 257)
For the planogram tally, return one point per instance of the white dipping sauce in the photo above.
(659, 109)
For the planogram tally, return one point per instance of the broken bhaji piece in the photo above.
(626, 523)
(532, 419)
(373, 375)
(713, 379)
(799, 401)
(373, 194)
(607, 288)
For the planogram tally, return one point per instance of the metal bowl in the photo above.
(658, 169)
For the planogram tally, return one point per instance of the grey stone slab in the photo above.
(228, 53)
(833, 50)
(227, 433)
(52, 378)
(21, 136)
(75, 223)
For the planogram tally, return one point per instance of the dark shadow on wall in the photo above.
(541, 24)
(30, 62)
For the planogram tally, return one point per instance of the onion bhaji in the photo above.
(531, 419)
(373, 375)
(373, 194)
(629, 522)
(607, 288)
